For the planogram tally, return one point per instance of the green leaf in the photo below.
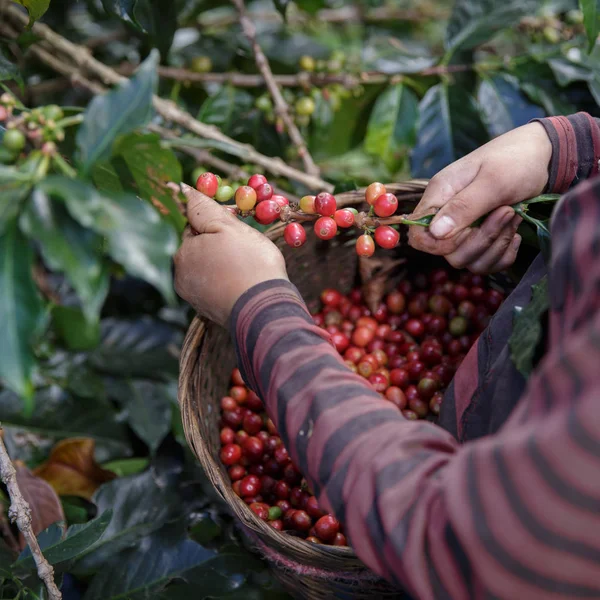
(119, 111)
(35, 8)
(74, 329)
(142, 165)
(68, 248)
(228, 110)
(148, 405)
(140, 507)
(144, 347)
(79, 538)
(8, 69)
(567, 71)
(136, 236)
(503, 105)
(141, 573)
(391, 128)
(474, 22)
(282, 6)
(449, 127)
(590, 20)
(15, 186)
(59, 415)
(380, 53)
(21, 312)
(122, 9)
(527, 329)
(126, 466)
(7, 556)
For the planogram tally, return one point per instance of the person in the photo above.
(502, 499)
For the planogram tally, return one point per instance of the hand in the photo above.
(220, 258)
(511, 168)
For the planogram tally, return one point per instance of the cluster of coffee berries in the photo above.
(262, 473)
(258, 199)
(408, 350)
(551, 29)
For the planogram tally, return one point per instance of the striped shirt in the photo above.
(514, 514)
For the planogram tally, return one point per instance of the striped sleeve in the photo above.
(513, 515)
(575, 150)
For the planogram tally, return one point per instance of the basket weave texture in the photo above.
(308, 571)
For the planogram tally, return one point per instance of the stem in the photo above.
(20, 512)
(63, 166)
(68, 121)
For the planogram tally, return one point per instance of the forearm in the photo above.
(575, 150)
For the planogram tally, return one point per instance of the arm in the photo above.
(514, 516)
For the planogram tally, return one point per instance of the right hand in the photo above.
(507, 170)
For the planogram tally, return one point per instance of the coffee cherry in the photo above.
(253, 402)
(264, 192)
(236, 472)
(267, 212)
(230, 454)
(224, 193)
(256, 181)
(253, 448)
(301, 520)
(313, 540)
(373, 192)
(396, 303)
(419, 407)
(227, 436)
(365, 246)
(307, 204)
(325, 204)
(13, 140)
(344, 218)
(305, 106)
(228, 403)
(307, 63)
(494, 300)
(400, 377)
(379, 382)
(207, 184)
(327, 528)
(458, 326)
(386, 205)
(439, 305)
(294, 235)
(339, 540)
(415, 328)
(249, 486)
(387, 237)
(252, 423)
(201, 64)
(245, 198)
(325, 228)
(427, 387)
(239, 393)
(396, 396)
(281, 200)
(233, 418)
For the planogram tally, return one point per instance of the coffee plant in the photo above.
(103, 104)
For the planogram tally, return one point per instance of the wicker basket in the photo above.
(307, 571)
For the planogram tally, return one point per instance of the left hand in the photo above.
(220, 258)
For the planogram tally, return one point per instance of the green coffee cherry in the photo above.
(224, 193)
(196, 173)
(263, 103)
(307, 63)
(201, 64)
(53, 112)
(14, 140)
(305, 106)
(551, 35)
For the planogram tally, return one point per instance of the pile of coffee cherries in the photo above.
(259, 200)
(408, 350)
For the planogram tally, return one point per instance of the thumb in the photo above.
(464, 208)
(203, 213)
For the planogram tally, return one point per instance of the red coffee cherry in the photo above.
(387, 237)
(325, 228)
(264, 192)
(253, 448)
(386, 205)
(249, 486)
(344, 218)
(256, 181)
(327, 528)
(365, 246)
(339, 540)
(260, 509)
(301, 520)
(267, 212)
(281, 200)
(245, 198)
(208, 184)
(227, 436)
(373, 192)
(294, 235)
(236, 377)
(325, 204)
(396, 396)
(230, 454)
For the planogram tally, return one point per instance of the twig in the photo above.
(20, 512)
(167, 109)
(281, 106)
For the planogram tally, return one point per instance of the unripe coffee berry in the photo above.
(305, 106)
(294, 235)
(267, 211)
(307, 205)
(245, 198)
(224, 193)
(325, 204)
(386, 205)
(13, 140)
(325, 228)
(387, 237)
(373, 192)
(365, 246)
(207, 184)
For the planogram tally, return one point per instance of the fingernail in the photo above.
(441, 227)
(516, 220)
(507, 218)
(516, 242)
(185, 187)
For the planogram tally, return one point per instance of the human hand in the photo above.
(507, 170)
(220, 258)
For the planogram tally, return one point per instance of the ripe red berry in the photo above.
(245, 198)
(400, 377)
(233, 418)
(208, 184)
(419, 407)
(340, 341)
(227, 436)
(236, 377)
(249, 486)
(396, 396)
(228, 403)
(281, 200)
(378, 381)
(277, 524)
(301, 520)
(312, 508)
(344, 218)
(494, 300)
(253, 449)
(387, 237)
(339, 540)
(396, 303)
(439, 305)
(386, 205)
(252, 423)
(415, 328)
(373, 192)
(325, 204)
(267, 211)
(256, 180)
(325, 228)
(236, 472)
(260, 509)
(239, 393)
(294, 235)
(327, 527)
(365, 246)
(264, 192)
(230, 454)
(281, 455)
(362, 336)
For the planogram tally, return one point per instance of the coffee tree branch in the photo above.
(281, 106)
(20, 513)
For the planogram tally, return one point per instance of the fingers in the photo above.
(509, 256)
(204, 214)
